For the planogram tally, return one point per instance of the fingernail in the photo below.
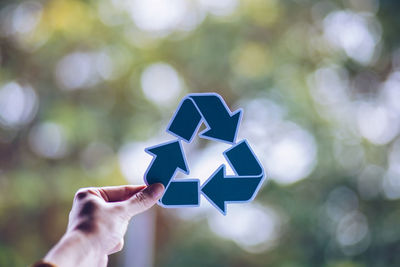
(155, 190)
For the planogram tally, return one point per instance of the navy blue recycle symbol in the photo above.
(219, 189)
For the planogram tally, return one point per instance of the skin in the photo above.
(98, 221)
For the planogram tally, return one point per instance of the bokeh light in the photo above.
(76, 71)
(48, 140)
(353, 33)
(162, 19)
(18, 105)
(134, 161)
(251, 226)
(161, 84)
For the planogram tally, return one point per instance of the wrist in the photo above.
(73, 249)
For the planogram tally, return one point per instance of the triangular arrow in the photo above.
(182, 192)
(222, 124)
(186, 121)
(168, 158)
(220, 189)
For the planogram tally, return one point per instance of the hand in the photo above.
(98, 221)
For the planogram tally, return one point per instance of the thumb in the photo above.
(145, 199)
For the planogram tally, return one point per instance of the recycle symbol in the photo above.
(219, 189)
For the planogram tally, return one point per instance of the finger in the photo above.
(145, 199)
(103, 261)
(117, 248)
(119, 193)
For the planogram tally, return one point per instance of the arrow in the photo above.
(186, 121)
(182, 193)
(168, 158)
(222, 124)
(243, 160)
(221, 189)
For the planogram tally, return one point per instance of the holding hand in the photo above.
(97, 223)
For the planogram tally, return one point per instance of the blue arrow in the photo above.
(168, 158)
(186, 120)
(243, 160)
(182, 193)
(222, 124)
(221, 189)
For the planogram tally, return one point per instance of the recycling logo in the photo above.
(219, 188)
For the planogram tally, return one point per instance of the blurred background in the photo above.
(86, 85)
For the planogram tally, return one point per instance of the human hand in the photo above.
(98, 221)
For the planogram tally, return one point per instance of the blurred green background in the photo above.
(86, 85)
